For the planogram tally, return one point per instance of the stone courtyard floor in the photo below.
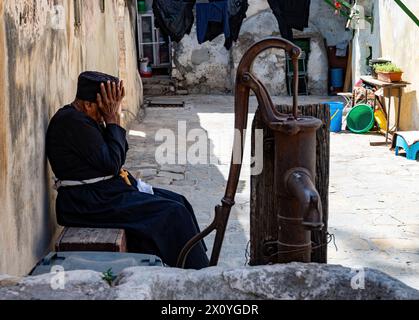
(374, 195)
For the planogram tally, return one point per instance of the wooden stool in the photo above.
(88, 239)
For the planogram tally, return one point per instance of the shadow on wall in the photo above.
(394, 37)
(3, 112)
(28, 219)
(39, 66)
(409, 115)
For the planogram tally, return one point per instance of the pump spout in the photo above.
(301, 187)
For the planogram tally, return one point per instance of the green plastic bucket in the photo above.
(361, 118)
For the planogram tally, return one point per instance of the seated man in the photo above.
(87, 148)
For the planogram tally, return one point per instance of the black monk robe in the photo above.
(79, 149)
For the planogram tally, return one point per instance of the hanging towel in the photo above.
(291, 14)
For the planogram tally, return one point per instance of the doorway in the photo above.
(154, 47)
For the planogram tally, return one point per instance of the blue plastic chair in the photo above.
(411, 152)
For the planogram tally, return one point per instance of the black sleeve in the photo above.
(105, 150)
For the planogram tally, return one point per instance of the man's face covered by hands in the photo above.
(109, 101)
(100, 96)
(92, 110)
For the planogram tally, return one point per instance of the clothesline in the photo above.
(216, 17)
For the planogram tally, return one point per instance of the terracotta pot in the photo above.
(390, 76)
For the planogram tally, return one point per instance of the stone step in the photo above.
(165, 80)
(159, 90)
(172, 102)
(162, 86)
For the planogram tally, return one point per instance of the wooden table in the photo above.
(387, 93)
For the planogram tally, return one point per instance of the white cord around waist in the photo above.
(68, 183)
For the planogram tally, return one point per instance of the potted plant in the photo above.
(388, 72)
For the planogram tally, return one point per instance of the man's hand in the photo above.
(109, 101)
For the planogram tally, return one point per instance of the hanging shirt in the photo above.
(237, 13)
(174, 17)
(212, 19)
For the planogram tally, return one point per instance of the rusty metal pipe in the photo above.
(299, 204)
(242, 93)
(300, 186)
(294, 148)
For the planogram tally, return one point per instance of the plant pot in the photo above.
(373, 62)
(390, 76)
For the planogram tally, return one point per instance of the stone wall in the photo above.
(393, 36)
(294, 281)
(39, 64)
(211, 68)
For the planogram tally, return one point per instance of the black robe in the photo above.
(80, 149)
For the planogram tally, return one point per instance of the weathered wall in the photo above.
(39, 65)
(211, 68)
(270, 65)
(395, 37)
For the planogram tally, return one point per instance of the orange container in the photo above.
(390, 76)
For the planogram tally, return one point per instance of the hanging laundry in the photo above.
(212, 19)
(291, 14)
(215, 17)
(237, 12)
(174, 17)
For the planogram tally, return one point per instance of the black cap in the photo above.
(88, 85)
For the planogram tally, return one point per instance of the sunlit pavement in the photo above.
(374, 195)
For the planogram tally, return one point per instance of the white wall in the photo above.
(39, 66)
(395, 37)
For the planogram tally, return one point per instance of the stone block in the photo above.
(294, 281)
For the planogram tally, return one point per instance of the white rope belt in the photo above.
(68, 183)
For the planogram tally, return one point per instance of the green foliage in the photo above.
(387, 67)
(108, 276)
